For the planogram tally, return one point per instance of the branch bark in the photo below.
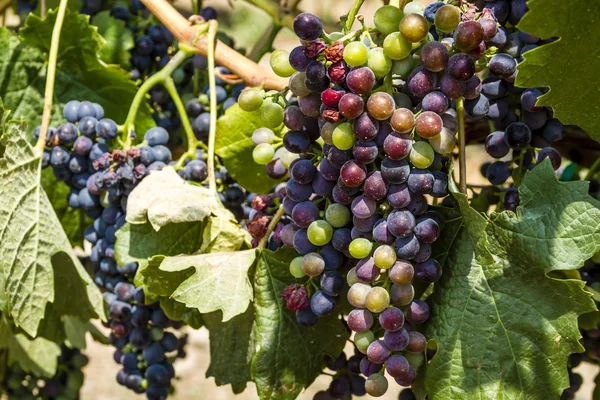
(252, 73)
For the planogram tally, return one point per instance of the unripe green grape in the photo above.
(357, 294)
(396, 47)
(421, 155)
(362, 340)
(414, 7)
(415, 360)
(280, 63)
(286, 157)
(360, 248)
(298, 85)
(333, 36)
(378, 299)
(263, 135)
(414, 27)
(327, 131)
(296, 267)
(250, 100)
(387, 19)
(376, 385)
(337, 215)
(320, 232)
(313, 264)
(343, 136)
(380, 64)
(447, 18)
(384, 256)
(263, 153)
(178, 75)
(104, 201)
(403, 67)
(351, 277)
(356, 54)
(272, 115)
(443, 143)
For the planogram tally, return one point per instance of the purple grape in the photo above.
(360, 320)
(308, 26)
(396, 340)
(401, 223)
(391, 319)
(399, 196)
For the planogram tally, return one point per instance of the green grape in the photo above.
(443, 143)
(313, 264)
(356, 54)
(263, 153)
(414, 7)
(178, 75)
(298, 85)
(403, 67)
(414, 27)
(362, 340)
(415, 360)
(286, 157)
(280, 63)
(447, 18)
(343, 136)
(378, 299)
(421, 155)
(351, 277)
(320, 232)
(380, 64)
(337, 215)
(397, 48)
(384, 256)
(333, 36)
(272, 115)
(376, 385)
(250, 100)
(357, 294)
(327, 131)
(387, 19)
(360, 248)
(296, 267)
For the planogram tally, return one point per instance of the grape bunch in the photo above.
(346, 381)
(16, 384)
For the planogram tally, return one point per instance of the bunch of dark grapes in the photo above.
(347, 380)
(17, 384)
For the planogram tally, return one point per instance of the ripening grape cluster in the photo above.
(16, 384)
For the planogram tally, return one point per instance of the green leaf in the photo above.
(34, 249)
(288, 356)
(119, 39)
(179, 312)
(73, 5)
(22, 84)
(575, 24)
(79, 42)
(220, 280)
(503, 327)
(73, 221)
(163, 198)
(231, 348)
(234, 145)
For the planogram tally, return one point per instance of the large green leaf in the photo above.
(572, 95)
(503, 327)
(288, 356)
(23, 69)
(34, 250)
(119, 39)
(234, 145)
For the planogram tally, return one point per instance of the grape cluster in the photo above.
(347, 380)
(16, 384)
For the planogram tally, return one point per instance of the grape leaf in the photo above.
(164, 198)
(73, 5)
(73, 221)
(119, 39)
(220, 281)
(503, 326)
(34, 250)
(288, 356)
(571, 96)
(234, 145)
(179, 312)
(22, 83)
(233, 338)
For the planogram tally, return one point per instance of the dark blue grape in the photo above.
(156, 374)
(498, 172)
(332, 283)
(308, 26)
(70, 110)
(196, 171)
(407, 247)
(306, 317)
(321, 303)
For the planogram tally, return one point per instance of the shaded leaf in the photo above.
(119, 39)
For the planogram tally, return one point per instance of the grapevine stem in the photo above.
(352, 14)
(160, 77)
(252, 73)
(462, 159)
(44, 7)
(212, 133)
(263, 242)
(185, 122)
(51, 74)
(595, 166)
